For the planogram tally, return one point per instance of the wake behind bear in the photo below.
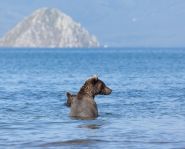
(83, 105)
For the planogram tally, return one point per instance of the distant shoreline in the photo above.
(101, 47)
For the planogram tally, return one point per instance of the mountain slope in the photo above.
(48, 28)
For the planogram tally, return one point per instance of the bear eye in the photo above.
(102, 86)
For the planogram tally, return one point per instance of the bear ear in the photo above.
(68, 94)
(94, 77)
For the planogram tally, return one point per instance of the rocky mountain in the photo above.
(48, 27)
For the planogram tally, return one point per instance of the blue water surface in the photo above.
(145, 110)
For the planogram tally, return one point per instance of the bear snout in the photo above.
(107, 91)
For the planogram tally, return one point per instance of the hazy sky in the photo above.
(149, 23)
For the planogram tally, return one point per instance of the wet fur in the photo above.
(83, 104)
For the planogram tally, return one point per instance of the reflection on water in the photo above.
(145, 109)
(71, 142)
(90, 126)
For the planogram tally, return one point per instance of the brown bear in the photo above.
(83, 104)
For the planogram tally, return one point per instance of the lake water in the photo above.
(145, 110)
